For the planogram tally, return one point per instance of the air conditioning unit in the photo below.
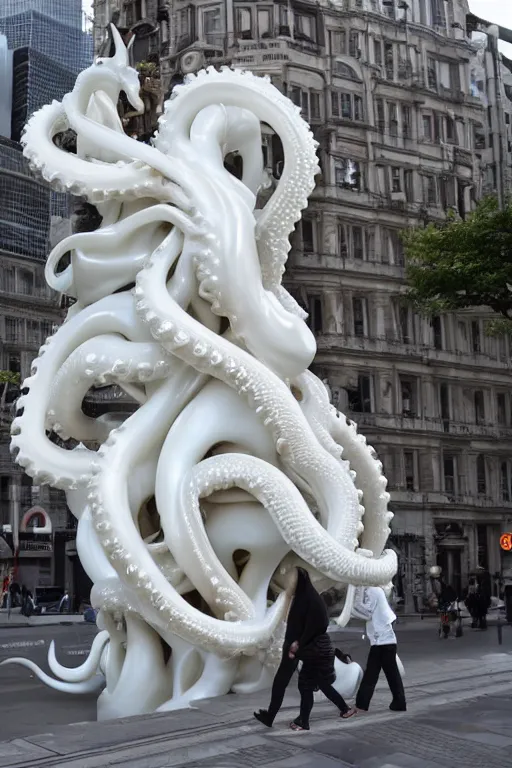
(191, 61)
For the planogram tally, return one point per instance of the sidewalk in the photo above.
(16, 620)
(459, 715)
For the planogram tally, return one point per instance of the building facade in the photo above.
(48, 49)
(412, 113)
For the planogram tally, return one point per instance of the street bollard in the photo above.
(500, 631)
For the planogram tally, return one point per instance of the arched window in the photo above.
(345, 71)
(36, 521)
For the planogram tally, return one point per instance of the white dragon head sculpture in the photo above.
(234, 467)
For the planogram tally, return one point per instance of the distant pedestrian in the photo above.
(306, 640)
(372, 605)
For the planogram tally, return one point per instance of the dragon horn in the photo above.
(121, 55)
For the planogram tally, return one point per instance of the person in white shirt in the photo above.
(371, 604)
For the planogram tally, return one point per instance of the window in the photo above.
(408, 393)
(409, 470)
(393, 118)
(33, 332)
(305, 27)
(444, 402)
(212, 24)
(451, 134)
(11, 327)
(244, 23)
(343, 240)
(338, 41)
(308, 235)
(430, 189)
(314, 105)
(404, 322)
(393, 252)
(357, 243)
(353, 45)
(265, 22)
(133, 12)
(409, 185)
(454, 76)
(505, 481)
(406, 122)
(449, 473)
(379, 114)
(377, 51)
(358, 108)
(479, 139)
(432, 73)
(475, 336)
(481, 479)
(437, 328)
(347, 105)
(479, 407)
(308, 101)
(427, 128)
(360, 398)
(25, 281)
(501, 407)
(348, 175)
(315, 319)
(389, 59)
(360, 314)
(396, 179)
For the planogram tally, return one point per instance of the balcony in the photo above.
(441, 498)
(338, 342)
(336, 263)
(409, 423)
(263, 53)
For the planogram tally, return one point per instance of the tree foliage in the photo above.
(463, 263)
(8, 377)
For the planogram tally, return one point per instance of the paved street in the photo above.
(459, 713)
(28, 706)
(445, 681)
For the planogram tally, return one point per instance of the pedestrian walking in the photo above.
(306, 640)
(371, 604)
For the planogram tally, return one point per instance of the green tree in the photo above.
(8, 377)
(463, 263)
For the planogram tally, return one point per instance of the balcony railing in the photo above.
(384, 345)
(406, 422)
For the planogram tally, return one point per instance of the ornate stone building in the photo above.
(413, 121)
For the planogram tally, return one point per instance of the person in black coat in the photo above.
(306, 640)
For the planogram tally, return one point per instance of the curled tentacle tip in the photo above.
(352, 474)
(360, 528)
(360, 494)
(361, 510)
(388, 517)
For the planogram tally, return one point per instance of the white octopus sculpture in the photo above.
(179, 302)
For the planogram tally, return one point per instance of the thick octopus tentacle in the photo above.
(101, 361)
(86, 670)
(103, 272)
(92, 685)
(336, 433)
(96, 181)
(185, 535)
(278, 218)
(269, 396)
(288, 509)
(162, 606)
(43, 460)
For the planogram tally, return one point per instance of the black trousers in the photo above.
(381, 657)
(281, 680)
(307, 700)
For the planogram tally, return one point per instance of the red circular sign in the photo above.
(506, 542)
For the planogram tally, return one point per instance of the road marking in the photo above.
(22, 644)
